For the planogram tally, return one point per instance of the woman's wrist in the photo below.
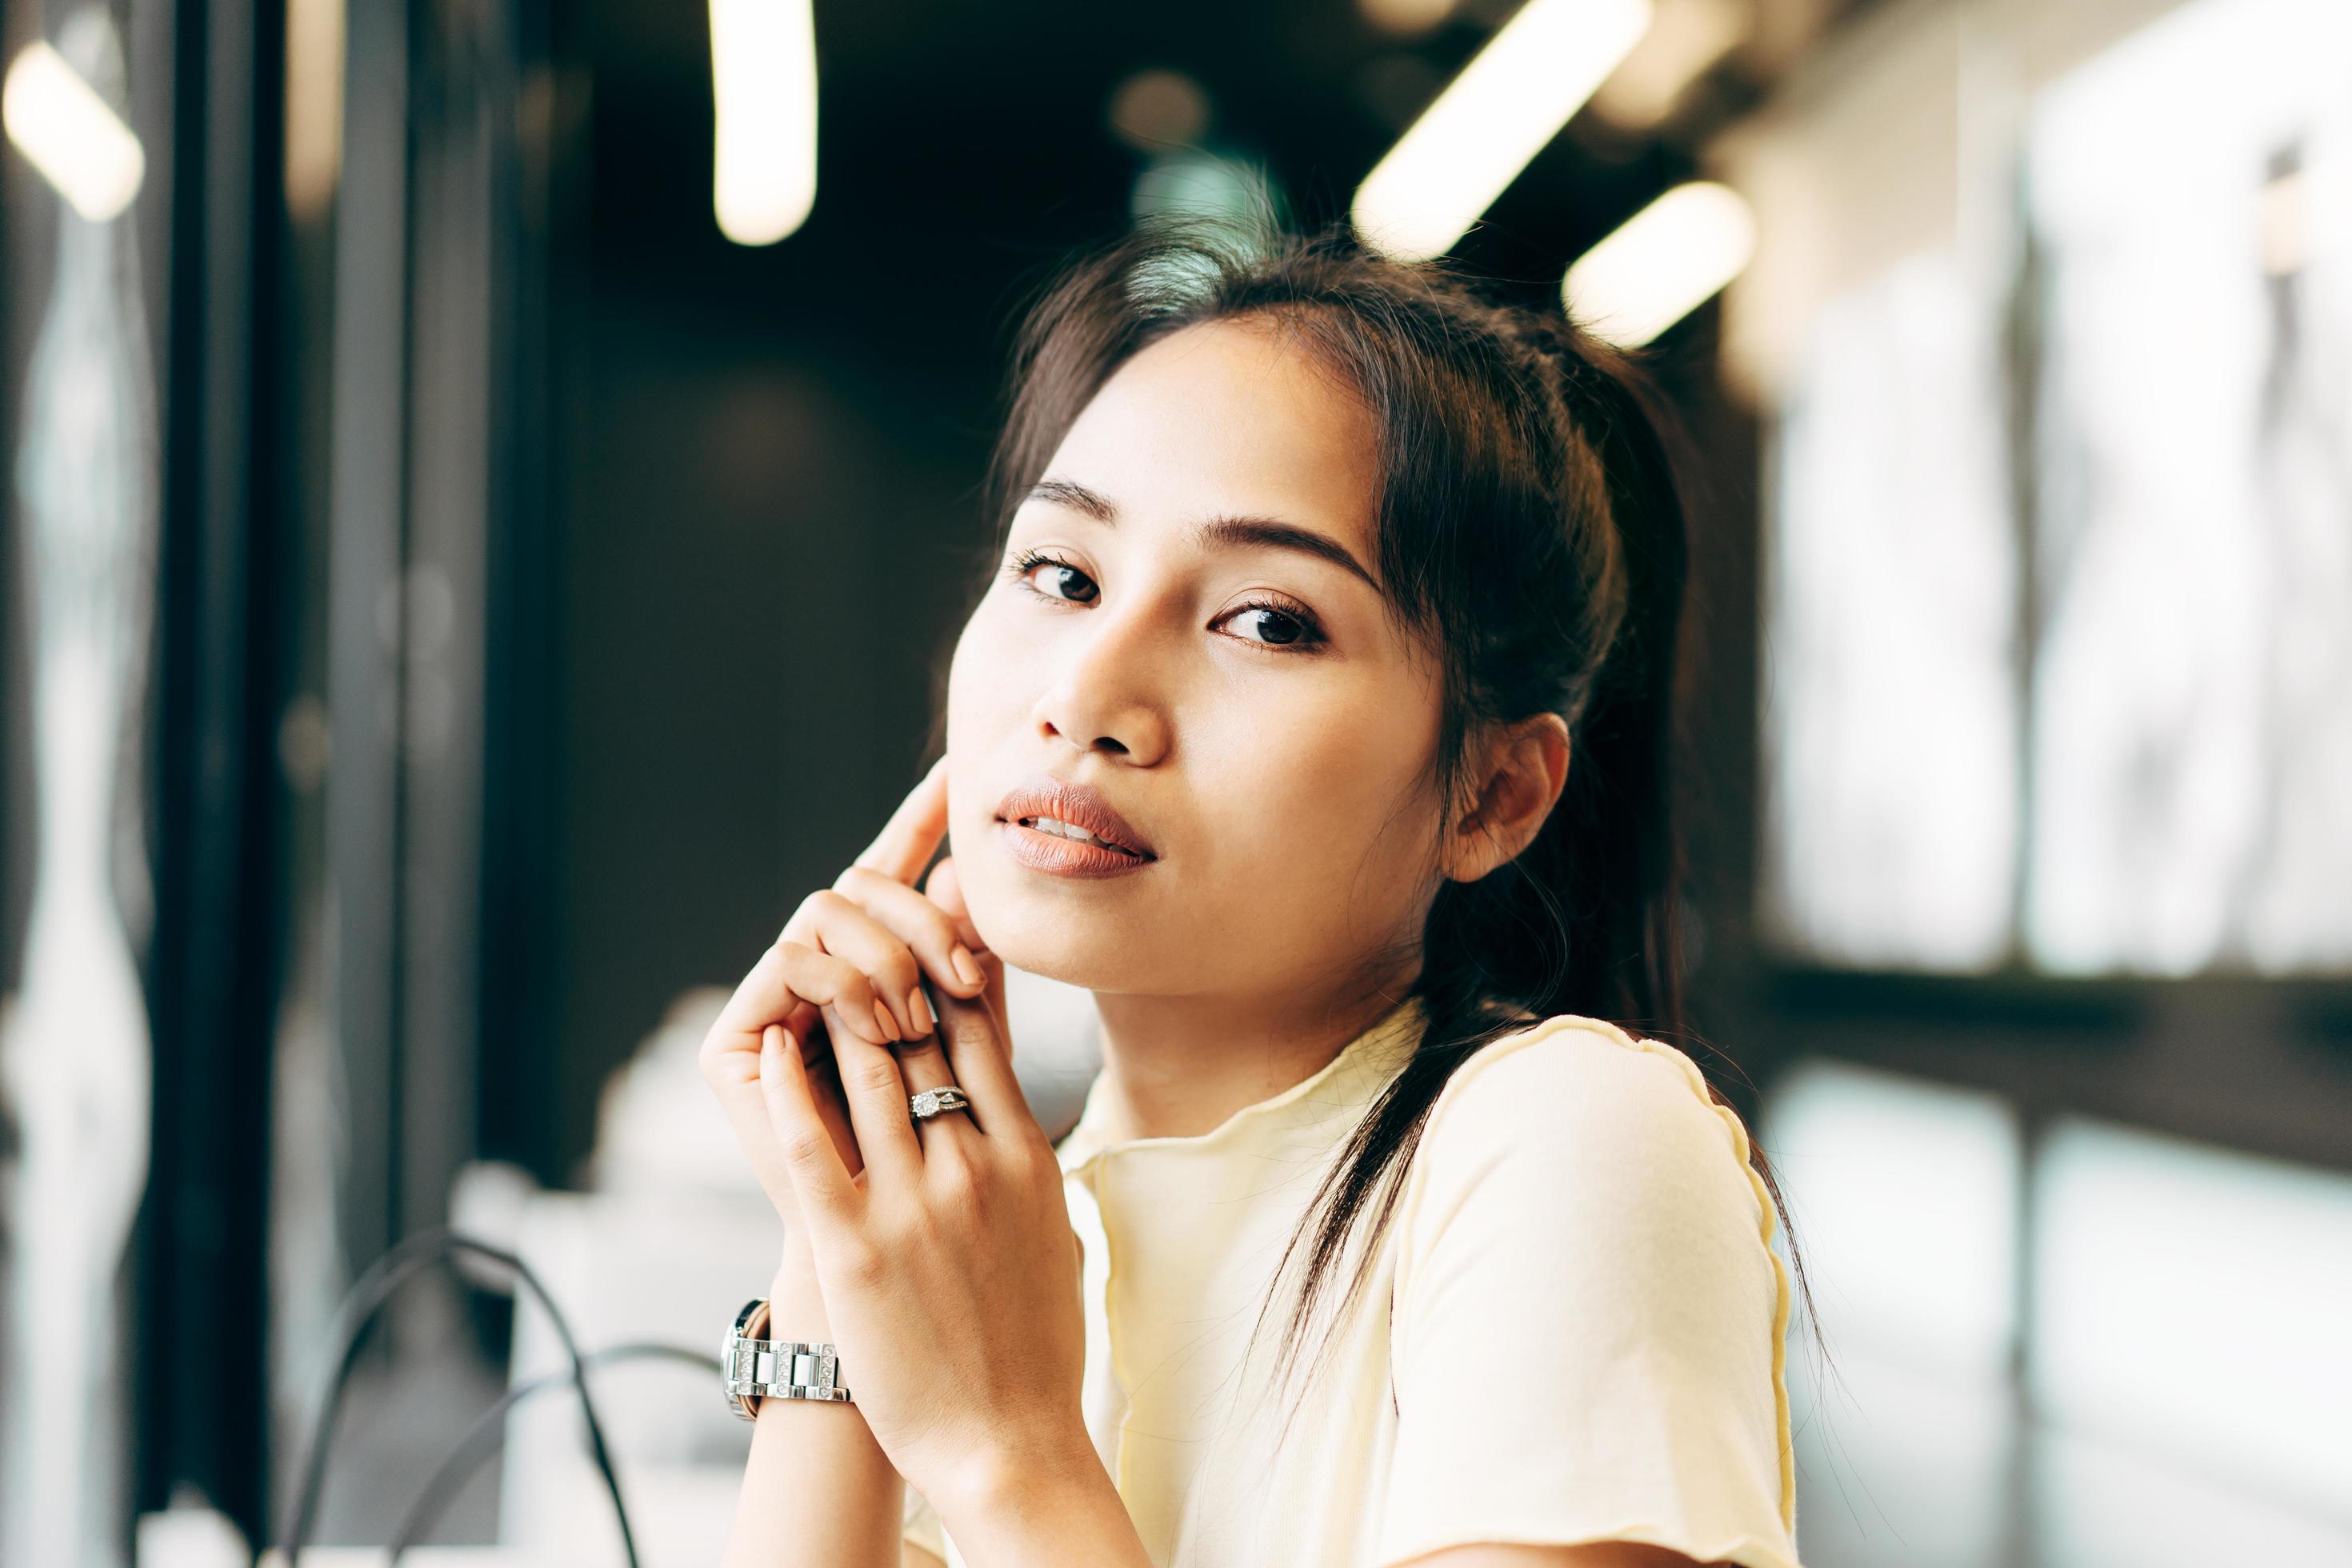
(1044, 1508)
(795, 1303)
(804, 1448)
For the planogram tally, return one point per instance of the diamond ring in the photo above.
(932, 1101)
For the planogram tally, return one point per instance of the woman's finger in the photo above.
(885, 928)
(908, 841)
(918, 924)
(943, 889)
(924, 1065)
(877, 1095)
(785, 986)
(886, 936)
(824, 1194)
(890, 965)
(790, 976)
(981, 1060)
(754, 1123)
(997, 1097)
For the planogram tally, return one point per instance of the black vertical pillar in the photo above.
(213, 784)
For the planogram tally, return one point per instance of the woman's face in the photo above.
(1248, 707)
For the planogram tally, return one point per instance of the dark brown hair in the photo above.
(1530, 529)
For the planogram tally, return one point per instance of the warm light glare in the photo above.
(1682, 44)
(314, 104)
(2285, 225)
(764, 84)
(1405, 17)
(1509, 102)
(1667, 260)
(68, 132)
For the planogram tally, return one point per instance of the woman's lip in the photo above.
(1061, 857)
(1079, 805)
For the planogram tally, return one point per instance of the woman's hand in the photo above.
(948, 1266)
(844, 966)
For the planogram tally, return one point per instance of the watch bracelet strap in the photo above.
(783, 1369)
(752, 1368)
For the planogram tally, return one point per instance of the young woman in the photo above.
(1316, 717)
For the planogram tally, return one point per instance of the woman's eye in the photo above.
(1281, 629)
(1061, 576)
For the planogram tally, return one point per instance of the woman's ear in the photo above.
(1520, 773)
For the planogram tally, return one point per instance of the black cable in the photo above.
(387, 1274)
(483, 1435)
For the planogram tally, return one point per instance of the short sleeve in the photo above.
(1587, 1335)
(922, 1527)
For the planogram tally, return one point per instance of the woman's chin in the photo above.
(1048, 948)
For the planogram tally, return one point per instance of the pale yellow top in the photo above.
(1573, 1330)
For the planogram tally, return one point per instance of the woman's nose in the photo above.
(1108, 684)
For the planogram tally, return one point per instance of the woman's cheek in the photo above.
(986, 682)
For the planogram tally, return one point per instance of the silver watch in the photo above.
(752, 1369)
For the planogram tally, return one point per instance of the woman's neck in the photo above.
(1177, 1067)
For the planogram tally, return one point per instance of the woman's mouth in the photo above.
(1060, 848)
(1068, 828)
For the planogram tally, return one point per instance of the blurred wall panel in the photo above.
(2049, 316)
(763, 548)
(1893, 691)
(2193, 694)
(2189, 1305)
(365, 549)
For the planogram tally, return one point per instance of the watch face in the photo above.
(738, 1363)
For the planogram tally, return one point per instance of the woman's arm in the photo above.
(902, 1271)
(818, 1489)
(928, 1246)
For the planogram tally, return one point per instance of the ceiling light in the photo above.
(1491, 120)
(71, 135)
(764, 87)
(1666, 261)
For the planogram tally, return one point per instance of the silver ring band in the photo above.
(932, 1101)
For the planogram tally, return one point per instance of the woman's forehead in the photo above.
(1227, 416)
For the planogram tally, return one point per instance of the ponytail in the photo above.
(1586, 919)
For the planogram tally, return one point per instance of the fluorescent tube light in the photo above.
(1665, 262)
(764, 85)
(1491, 120)
(71, 135)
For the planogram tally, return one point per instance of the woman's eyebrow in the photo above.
(1223, 532)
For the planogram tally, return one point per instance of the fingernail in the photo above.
(889, 1026)
(789, 1043)
(920, 1010)
(967, 969)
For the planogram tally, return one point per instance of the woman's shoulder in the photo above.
(1569, 1065)
(1585, 1287)
(1574, 1102)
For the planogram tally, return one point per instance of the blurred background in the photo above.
(492, 485)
